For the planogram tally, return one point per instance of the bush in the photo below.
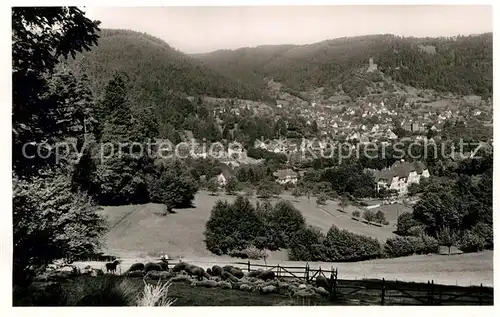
(405, 222)
(471, 242)
(369, 216)
(356, 213)
(233, 226)
(231, 186)
(307, 245)
(342, 245)
(250, 252)
(416, 231)
(404, 246)
(283, 221)
(485, 232)
(321, 200)
(380, 217)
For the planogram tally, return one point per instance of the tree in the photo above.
(171, 184)
(296, 192)
(231, 186)
(248, 192)
(213, 186)
(405, 223)
(447, 237)
(267, 189)
(51, 221)
(321, 200)
(343, 202)
(437, 210)
(284, 220)
(233, 226)
(307, 245)
(40, 37)
(369, 216)
(380, 217)
(413, 189)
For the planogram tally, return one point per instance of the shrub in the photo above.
(233, 226)
(356, 213)
(405, 222)
(342, 245)
(283, 221)
(380, 217)
(250, 252)
(155, 295)
(231, 186)
(415, 231)
(307, 245)
(471, 242)
(321, 200)
(369, 216)
(105, 291)
(404, 246)
(485, 232)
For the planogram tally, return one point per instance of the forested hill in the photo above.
(155, 69)
(463, 64)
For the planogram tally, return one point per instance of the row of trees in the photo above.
(239, 226)
(51, 218)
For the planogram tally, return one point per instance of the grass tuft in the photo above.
(155, 295)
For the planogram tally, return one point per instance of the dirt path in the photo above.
(463, 269)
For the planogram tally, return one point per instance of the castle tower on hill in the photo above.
(372, 66)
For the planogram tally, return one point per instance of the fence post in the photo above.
(382, 299)
(248, 265)
(481, 294)
(334, 284)
(430, 295)
(307, 272)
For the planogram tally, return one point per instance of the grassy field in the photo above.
(75, 291)
(139, 233)
(142, 230)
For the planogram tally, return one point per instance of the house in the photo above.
(400, 175)
(286, 176)
(224, 176)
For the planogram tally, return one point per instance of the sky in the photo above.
(206, 29)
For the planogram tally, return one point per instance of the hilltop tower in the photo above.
(372, 66)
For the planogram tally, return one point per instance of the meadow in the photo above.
(140, 232)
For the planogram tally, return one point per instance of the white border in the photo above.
(6, 185)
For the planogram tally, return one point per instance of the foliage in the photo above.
(233, 226)
(250, 252)
(369, 216)
(284, 220)
(155, 295)
(267, 189)
(40, 36)
(171, 184)
(356, 213)
(296, 192)
(470, 241)
(51, 222)
(342, 245)
(462, 65)
(213, 186)
(231, 186)
(350, 178)
(321, 200)
(380, 217)
(447, 237)
(405, 223)
(404, 246)
(306, 245)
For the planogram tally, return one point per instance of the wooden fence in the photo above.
(382, 292)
